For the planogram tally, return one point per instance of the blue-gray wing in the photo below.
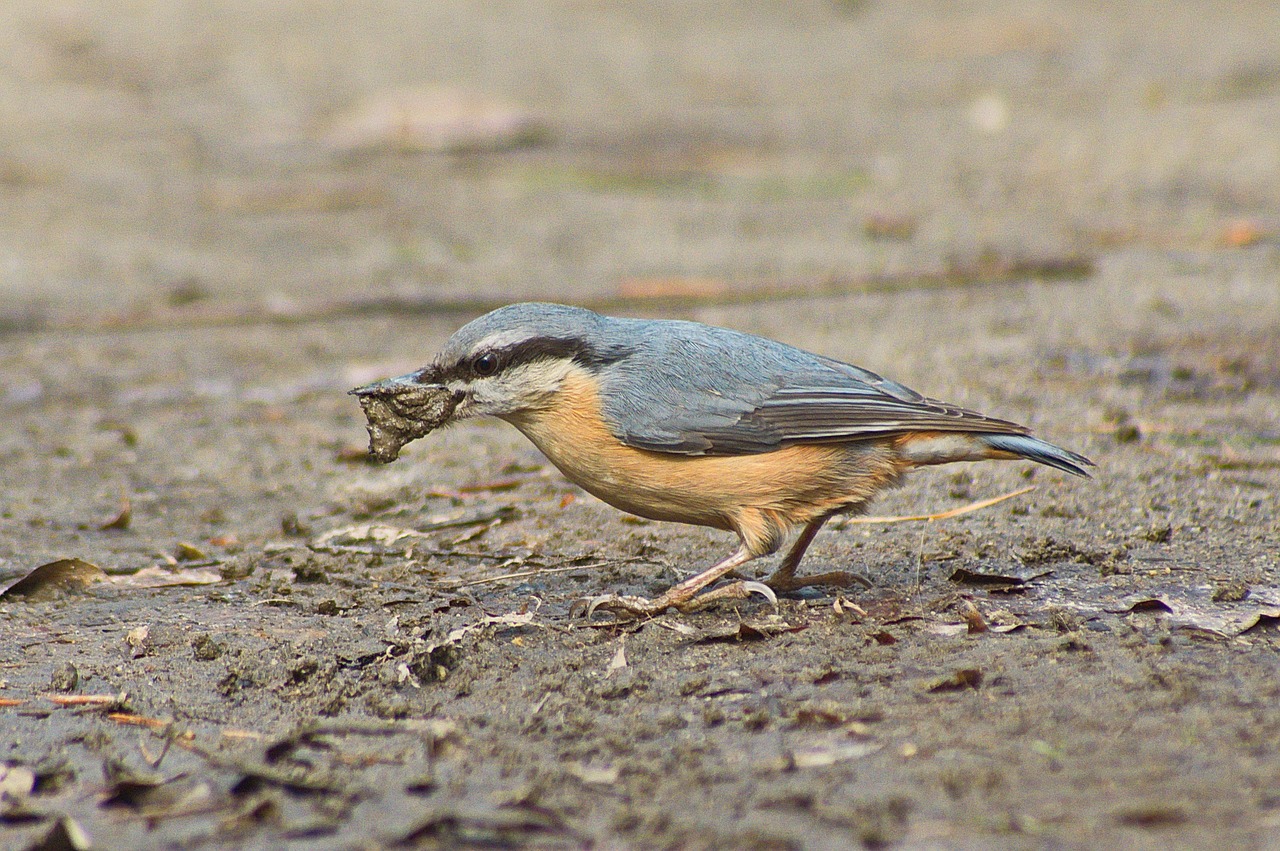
(726, 393)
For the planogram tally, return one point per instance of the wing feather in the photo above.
(699, 390)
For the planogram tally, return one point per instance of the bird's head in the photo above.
(509, 362)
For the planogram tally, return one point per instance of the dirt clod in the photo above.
(401, 411)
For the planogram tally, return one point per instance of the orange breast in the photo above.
(759, 496)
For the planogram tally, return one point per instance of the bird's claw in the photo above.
(635, 607)
(639, 607)
(761, 589)
(741, 590)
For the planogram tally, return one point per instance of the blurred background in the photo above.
(229, 160)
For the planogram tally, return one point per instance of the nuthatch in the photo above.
(691, 423)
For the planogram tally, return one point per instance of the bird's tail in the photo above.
(1035, 449)
(926, 447)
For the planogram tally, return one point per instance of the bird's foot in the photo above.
(641, 607)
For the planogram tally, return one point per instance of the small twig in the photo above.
(944, 515)
(918, 583)
(231, 733)
(85, 699)
(521, 574)
(138, 720)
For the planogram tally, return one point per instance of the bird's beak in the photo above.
(403, 409)
(394, 386)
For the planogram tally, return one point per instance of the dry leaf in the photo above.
(756, 630)
(138, 640)
(65, 835)
(1194, 608)
(619, 660)
(600, 775)
(55, 579)
(188, 552)
(982, 576)
(159, 577)
(822, 757)
(121, 520)
(16, 782)
(965, 678)
(973, 617)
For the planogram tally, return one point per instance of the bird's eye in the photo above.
(485, 365)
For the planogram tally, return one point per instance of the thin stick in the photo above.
(85, 699)
(955, 512)
(138, 720)
(520, 574)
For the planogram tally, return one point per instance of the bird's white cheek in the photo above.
(472, 403)
(485, 398)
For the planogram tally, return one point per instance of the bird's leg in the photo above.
(684, 595)
(784, 578)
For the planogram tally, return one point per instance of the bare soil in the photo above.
(1063, 214)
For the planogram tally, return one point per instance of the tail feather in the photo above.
(1035, 449)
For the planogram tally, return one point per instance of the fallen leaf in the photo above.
(121, 520)
(138, 640)
(383, 535)
(976, 623)
(757, 630)
(178, 796)
(1152, 815)
(1194, 607)
(677, 626)
(965, 678)
(159, 577)
(1263, 622)
(188, 552)
(1146, 605)
(16, 782)
(981, 576)
(596, 775)
(619, 660)
(842, 606)
(822, 757)
(56, 579)
(65, 835)
(822, 714)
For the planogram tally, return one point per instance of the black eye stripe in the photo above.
(527, 351)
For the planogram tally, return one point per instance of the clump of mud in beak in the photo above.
(400, 410)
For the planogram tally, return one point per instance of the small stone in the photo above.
(65, 678)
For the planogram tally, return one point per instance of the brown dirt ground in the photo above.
(1062, 214)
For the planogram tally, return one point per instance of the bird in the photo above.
(680, 421)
